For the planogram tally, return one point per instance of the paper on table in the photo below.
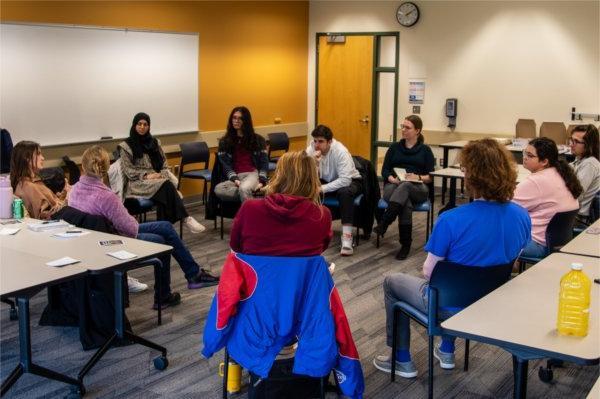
(67, 260)
(7, 231)
(122, 255)
(66, 234)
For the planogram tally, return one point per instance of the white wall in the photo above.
(503, 60)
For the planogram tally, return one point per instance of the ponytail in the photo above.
(568, 175)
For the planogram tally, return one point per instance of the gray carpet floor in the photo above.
(128, 372)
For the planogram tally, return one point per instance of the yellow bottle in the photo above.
(574, 302)
(234, 376)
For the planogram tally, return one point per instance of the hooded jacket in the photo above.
(281, 225)
(263, 302)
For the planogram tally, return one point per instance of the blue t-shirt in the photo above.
(481, 233)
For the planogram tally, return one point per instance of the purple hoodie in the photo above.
(91, 195)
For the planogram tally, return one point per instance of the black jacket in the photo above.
(371, 192)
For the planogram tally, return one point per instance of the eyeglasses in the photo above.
(527, 154)
(575, 141)
(403, 127)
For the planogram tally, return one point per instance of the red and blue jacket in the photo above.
(263, 302)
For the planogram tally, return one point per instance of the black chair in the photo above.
(191, 153)
(277, 142)
(558, 233)
(452, 286)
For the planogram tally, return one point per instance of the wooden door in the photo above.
(344, 96)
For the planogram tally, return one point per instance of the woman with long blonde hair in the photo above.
(290, 221)
(92, 196)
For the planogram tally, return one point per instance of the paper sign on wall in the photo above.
(416, 91)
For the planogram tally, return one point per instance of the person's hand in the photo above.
(153, 176)
(318, 156)
(258, 186)
(237, 182)
(412, 177)
(393, 180)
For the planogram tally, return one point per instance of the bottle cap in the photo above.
(576, 266)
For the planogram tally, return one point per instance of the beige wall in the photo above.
(502, 60)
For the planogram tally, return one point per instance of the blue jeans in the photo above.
(534, 250)
(162, 232)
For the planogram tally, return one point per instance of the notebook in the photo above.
(401, 175)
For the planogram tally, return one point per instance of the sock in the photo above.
(402, 355)
(447, 346)
(347, 230)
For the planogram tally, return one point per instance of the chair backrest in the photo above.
(278, 142)
(560, 229)
(453, 286)
(194, 152)
(555, 131)
(525, 128)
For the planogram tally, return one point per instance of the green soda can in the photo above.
(17, 208)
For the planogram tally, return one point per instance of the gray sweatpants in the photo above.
(406, 194)
(228, 191)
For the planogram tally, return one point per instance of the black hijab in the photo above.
(145, 144)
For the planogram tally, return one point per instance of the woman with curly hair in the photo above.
(551, 187)
(290, 221)
(489, 231)
(243, 157)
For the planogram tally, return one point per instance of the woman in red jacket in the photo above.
(290, 219)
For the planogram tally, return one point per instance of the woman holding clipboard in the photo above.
(405, 171)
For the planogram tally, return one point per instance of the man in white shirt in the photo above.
(339, 177)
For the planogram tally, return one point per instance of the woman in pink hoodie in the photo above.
(290, 219)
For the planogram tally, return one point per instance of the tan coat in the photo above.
(136, 186)
(39, 201)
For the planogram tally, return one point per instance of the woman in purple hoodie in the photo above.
(92, 196)
(290, 221)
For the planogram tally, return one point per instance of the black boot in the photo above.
(390, 214)
(405, 241)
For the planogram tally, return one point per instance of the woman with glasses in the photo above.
(551, 187)
(402, 192)
(489, 231)
(585, 146)
(243, 157)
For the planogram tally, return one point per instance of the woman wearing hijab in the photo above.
(144, 164)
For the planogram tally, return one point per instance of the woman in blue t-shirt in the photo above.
(401, 192)
(489, 231)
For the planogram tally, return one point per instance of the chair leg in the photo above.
(181, 229)
(322, 387)
(377, 241)
(466, 368)
(394, 344)
(521, 266)
(225, 373)
(204, 193)
(427, 231)
(430, 376)
(221, 226)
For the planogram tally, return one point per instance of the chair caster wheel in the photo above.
(161, 363)
(545, 374)
(12, 315)
(76, 392)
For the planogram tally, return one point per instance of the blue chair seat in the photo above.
(419, 316)
(197, 174)
(145, 203)
(334, 203)
(422, 207)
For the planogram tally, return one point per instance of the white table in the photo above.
(23, 272)
(520, 317)
(455, 173)
(585, 243)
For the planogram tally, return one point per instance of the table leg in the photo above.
(26, 365)
(520, 377)
(121, 333)
(444, 182)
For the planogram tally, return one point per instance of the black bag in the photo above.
(282, 383)
(53, 178)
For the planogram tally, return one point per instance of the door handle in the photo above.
(365, 120)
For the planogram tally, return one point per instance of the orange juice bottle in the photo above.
(574, 302)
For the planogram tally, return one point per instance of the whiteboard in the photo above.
(68, 84)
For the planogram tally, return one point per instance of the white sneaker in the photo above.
(193, 225)
(347, 249)
(135, 285)
(331, 268)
